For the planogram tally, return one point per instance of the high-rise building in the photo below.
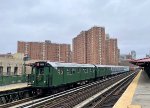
(112, 51)
(45, 51)
(133, 54)
(89, 46)
(147, 55)
(79, 48)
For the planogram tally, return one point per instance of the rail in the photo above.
(62, 97)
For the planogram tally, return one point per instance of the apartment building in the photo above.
(45, 51)
(89, 46)
(112, 51)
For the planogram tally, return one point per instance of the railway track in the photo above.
(114, 95)
(16, 102)
(70, 98)
(107, 97)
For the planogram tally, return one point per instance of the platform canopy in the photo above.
(144, 62)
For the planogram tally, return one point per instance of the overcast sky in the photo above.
(62, 20)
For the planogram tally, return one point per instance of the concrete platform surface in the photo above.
(142, 93)
(13, 86)
(126, 98)
(137, 95)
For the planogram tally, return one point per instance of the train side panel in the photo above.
(57, 76)
(71, 75)
(47, 74)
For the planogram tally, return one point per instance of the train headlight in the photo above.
(44, 81)
(33, 81)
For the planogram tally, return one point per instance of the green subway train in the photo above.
(47, 74)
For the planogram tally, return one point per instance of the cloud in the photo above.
(62, 20)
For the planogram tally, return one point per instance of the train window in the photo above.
(15, 70)
(85, 70)
(73, 71)
(91, 70)
(1, 70)
(103, 69)
(8, 70)
(41, 71)
(78, 70)
(69, 71)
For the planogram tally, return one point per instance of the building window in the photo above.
(1, 70)
(15, 70)
(8, 70)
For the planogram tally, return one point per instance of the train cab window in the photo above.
(41, 71)
(1, 70)
(8, 70)
(15, 70)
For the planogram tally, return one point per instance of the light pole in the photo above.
(25, 58)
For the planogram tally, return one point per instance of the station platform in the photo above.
(13, 86)
(137, 95)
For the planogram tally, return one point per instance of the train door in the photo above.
(40, 76)
(58, 76)
(48, 76)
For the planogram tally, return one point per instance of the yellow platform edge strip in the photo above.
(126, 98)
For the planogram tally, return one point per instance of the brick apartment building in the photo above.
(45, 51)
(112, 51)
(92, 47)
(89, 46)
(79, 48)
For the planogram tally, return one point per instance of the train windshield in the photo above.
(41, 70)
(40, 67)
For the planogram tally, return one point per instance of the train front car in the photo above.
(55, 74)
(40, 75)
